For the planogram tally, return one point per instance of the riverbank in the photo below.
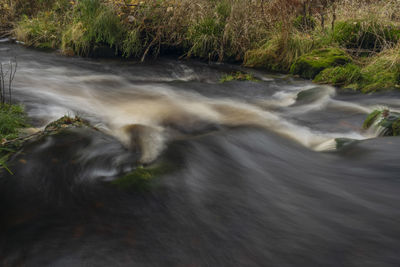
(299, 37)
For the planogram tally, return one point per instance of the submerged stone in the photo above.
(344, 142)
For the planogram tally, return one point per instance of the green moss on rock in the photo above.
(389, 121)
(371, 118)
(238, 76)
(138, 179)
(310, 65)
(142, 178)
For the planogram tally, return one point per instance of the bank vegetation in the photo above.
(351, 44)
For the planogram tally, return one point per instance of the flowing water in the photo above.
(256, 179)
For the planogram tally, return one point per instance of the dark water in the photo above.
(256, 179)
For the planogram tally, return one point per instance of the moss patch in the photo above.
(371, 118)
(238, 76)
(310, 65)
(141, 178)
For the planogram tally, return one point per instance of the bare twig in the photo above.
(4, 75)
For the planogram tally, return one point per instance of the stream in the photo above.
(256, 178)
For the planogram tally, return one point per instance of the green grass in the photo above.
(42, 31)
(280, 52)
(366, 34)
(93, 24)
(220, 30)
(343, 76)
(12, 118)
(205, 38)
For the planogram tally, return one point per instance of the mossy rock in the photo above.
(389, 121)
(310, 65)
(344, 142)
(311, 95)
(371, 118)
(365, 34)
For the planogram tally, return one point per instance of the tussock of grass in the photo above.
(367, 34)
(41, 31)
(93, 23)
(378, 73)
(343, 76)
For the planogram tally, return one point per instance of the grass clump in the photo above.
(238, 76)
(93, 24)
(12, 119)
(344, 76)
(370, 35)
(41, 31)
(206, 37)
(382, 72)
(378, 73)
(310, 65)
(279, 53)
